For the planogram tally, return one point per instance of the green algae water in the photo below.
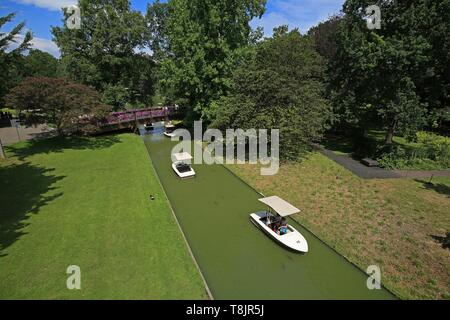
(239, 261)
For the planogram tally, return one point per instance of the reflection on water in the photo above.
(238, 260)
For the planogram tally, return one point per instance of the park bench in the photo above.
(369, 162)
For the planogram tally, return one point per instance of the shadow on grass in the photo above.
(338, 144)
(25, 189)
(444, 241)
(438, 187)
(59, 144)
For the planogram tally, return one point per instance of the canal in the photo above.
(237, 260)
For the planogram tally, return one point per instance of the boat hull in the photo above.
(294, 240)
(170, 135)
(183, 175)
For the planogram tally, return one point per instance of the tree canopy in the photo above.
(324, 36)
(68, 106)
(108, 51)
(201, 40)
(40, 64)
(395, 77)
(10, 70)
(279, 86)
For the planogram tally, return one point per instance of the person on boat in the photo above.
(283, 230)
(276, 224)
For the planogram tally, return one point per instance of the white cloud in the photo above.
(269, 21)
(54, 5)
(38, 43)
(302, 14)
(46, 46)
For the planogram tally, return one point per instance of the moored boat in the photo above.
(169, 131)
(273, 222)
(182, 166)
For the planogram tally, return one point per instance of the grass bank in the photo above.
(396, 224)
(85, 202)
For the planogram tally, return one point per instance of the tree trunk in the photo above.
(389, 140)
(60, 130)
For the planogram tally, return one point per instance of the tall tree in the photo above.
(279, 86)
(157, 18)
(203, 37)
(393, 77)
(324, 36)
(10, 59)
(107, 51)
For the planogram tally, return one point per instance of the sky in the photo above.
(40, 15)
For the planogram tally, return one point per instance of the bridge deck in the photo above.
(136, 115)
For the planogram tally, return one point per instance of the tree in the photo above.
(108, 50)
(40, 64)
(389, 77)
(324, 36)
(203, 37)
(9, 60)
(157, 18)
(279, 86)
(68, 106)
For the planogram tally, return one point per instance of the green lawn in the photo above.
(85, 202)
(395, 223)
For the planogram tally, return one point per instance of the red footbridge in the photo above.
(134, 118)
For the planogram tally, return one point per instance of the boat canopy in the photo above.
(280, 206)
(184, 156)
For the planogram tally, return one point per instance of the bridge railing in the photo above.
(139, 114)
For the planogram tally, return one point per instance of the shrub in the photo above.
(431, 152)
(437, 147)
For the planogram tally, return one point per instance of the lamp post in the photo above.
(2, 152)
(18, 133)
(15, 123)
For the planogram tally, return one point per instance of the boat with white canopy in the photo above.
(273, 222)
(181, 165)
(169, 130)
(149, 127)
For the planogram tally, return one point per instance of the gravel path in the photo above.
(10, 136)
(359, 169)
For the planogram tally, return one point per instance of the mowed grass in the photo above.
(85, 202)
(395, 224)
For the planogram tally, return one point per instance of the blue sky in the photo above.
(40, 15)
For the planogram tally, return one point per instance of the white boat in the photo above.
(274, 224)
(149, 127)
(181, 165)
(169, 131)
